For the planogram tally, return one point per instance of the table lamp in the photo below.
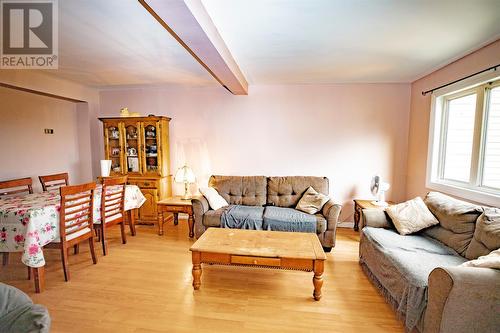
(185, 175)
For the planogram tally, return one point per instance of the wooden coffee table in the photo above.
(266, 249)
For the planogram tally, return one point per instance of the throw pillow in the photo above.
(215, 200)
(411, 216)
(487, 234)
(491, 260)
(311, 201)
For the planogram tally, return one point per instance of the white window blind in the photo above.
(491, 169)
(459, 138)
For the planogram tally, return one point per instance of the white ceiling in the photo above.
(117, 42)
(330, 41)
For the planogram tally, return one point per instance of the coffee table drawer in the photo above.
(275, 262)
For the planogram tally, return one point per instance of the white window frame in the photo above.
(472, 190)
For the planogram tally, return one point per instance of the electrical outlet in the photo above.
(49, 131)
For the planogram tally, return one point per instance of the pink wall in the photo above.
(421, 106)
(86, 111)
(26, 150)
(347, 132)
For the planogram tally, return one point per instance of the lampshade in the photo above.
(184, 175)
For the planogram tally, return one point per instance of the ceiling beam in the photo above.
(189, 23)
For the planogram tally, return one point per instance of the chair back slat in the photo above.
(77, 229)
(77, 206)
(76, 216)
(54, 182)
(113, 199)
(75, 202)
(16, 186)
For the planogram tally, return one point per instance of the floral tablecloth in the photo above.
(30, 221)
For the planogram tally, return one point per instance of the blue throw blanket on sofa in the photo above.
(268, 218)
(242, 217)
(288, 219)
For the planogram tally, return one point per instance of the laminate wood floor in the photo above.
(145, 286)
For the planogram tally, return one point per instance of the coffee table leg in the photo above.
(196, 270)
(318, 278)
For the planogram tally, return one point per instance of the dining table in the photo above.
(29, 222)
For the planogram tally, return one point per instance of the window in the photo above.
(459, 134)
(464, 145)
(491, 170)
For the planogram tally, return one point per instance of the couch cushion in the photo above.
(456, 220)
(487, 234)
(289, 219)
(321, 223)
(241, 190)
(242, 217)
(401, 266)
(212, 217)
(287, 191)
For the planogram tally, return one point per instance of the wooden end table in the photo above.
(175, 205)
(264, 249)
(359, 205)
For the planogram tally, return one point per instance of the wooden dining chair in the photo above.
(54, 182)
(75, 221)
(112, 208)
(16, 186)
(10, 187)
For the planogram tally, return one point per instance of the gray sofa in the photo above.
(273, 199)
(420, 274)
(18, 313)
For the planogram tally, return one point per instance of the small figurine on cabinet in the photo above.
(151, 132)
(115, 151)
(132, 134)
(132, 151)
(114, 133)
(151, 161)
(124, 112)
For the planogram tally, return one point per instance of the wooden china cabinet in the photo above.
(139, 147)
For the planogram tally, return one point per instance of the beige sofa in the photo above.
(262, 192)
(421, 275)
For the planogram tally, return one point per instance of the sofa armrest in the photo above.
(331, 212)
(200, 207)
(376, 218)
(463, 299)
(19, 314)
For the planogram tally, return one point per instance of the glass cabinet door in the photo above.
(114, 147)
(132, 148)
(151, 159)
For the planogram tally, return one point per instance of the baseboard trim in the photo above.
(346, 225)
